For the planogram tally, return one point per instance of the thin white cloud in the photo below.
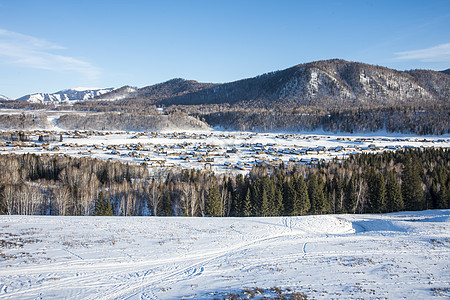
(439, 53)
(31, 52)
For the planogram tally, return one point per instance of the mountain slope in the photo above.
(158, 92)
(433, 81)
(3, 97)
(77, 94)
(118, 94)
(331, 82)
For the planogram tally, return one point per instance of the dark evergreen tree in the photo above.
(214, 205)
(394, 198)
(377, 192)
(247, 205)
(350, 195)
(278, 203)
(167, 205)
(289, 198)
(301, 205)
(412, 186)
(316, 195)
(102, 206)
(264, 211)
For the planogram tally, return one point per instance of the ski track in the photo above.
(386, 246)
(185, 273)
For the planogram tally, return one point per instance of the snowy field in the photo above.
(390, 256)
(219, 151)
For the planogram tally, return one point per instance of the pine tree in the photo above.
(264, 212)
(302, 204)
(289, 198)
(238, 196)
(394, 199)
(377, 192)
(108, 209)
(411, 187)
(316, 195)
(350, 195)
(278, 203)
(167, 205)
(247, 205)
(214, 206)
(443, 194)
(102, 206)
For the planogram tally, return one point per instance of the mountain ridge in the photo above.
(157, 92)
(65, 96)
(329, 82)
(333, 82)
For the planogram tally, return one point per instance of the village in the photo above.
(218, 151)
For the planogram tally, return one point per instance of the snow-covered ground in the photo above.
(390, 256)
(220, 151)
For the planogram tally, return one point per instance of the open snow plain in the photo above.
(389, 256)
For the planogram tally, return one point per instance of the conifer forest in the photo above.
(363, 183)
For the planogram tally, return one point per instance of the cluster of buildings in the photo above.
(218, 151)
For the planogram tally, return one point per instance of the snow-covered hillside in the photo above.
(64, 96)
(2, 97)
(392, 256)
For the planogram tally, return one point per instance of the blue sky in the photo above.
(47, 46)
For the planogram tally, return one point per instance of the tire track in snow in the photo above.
(128, 290)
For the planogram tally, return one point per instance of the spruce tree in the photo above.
(350, 195)
(214, 206)
(443, 195)
(102, 206)
(411, 187)
(108, 208)
(316, 195)
(289, 198)
(394, 199)
(247, 205)
(264, 211)
(167, 205)
(302, 204)
(278, 203)
(377, 192)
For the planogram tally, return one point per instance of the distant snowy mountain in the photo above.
(118, 94)
(2, 97)
(66, 96)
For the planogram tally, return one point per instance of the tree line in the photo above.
(363, 183)
(419, 120)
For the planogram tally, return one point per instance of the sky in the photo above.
(51, 45)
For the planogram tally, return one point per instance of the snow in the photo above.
(400, 255)
(171, 147)
(66, 96)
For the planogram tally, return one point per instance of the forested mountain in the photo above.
(434, 82)
(334, 83)
(446, 71)
(333, 95)
(158, 92)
